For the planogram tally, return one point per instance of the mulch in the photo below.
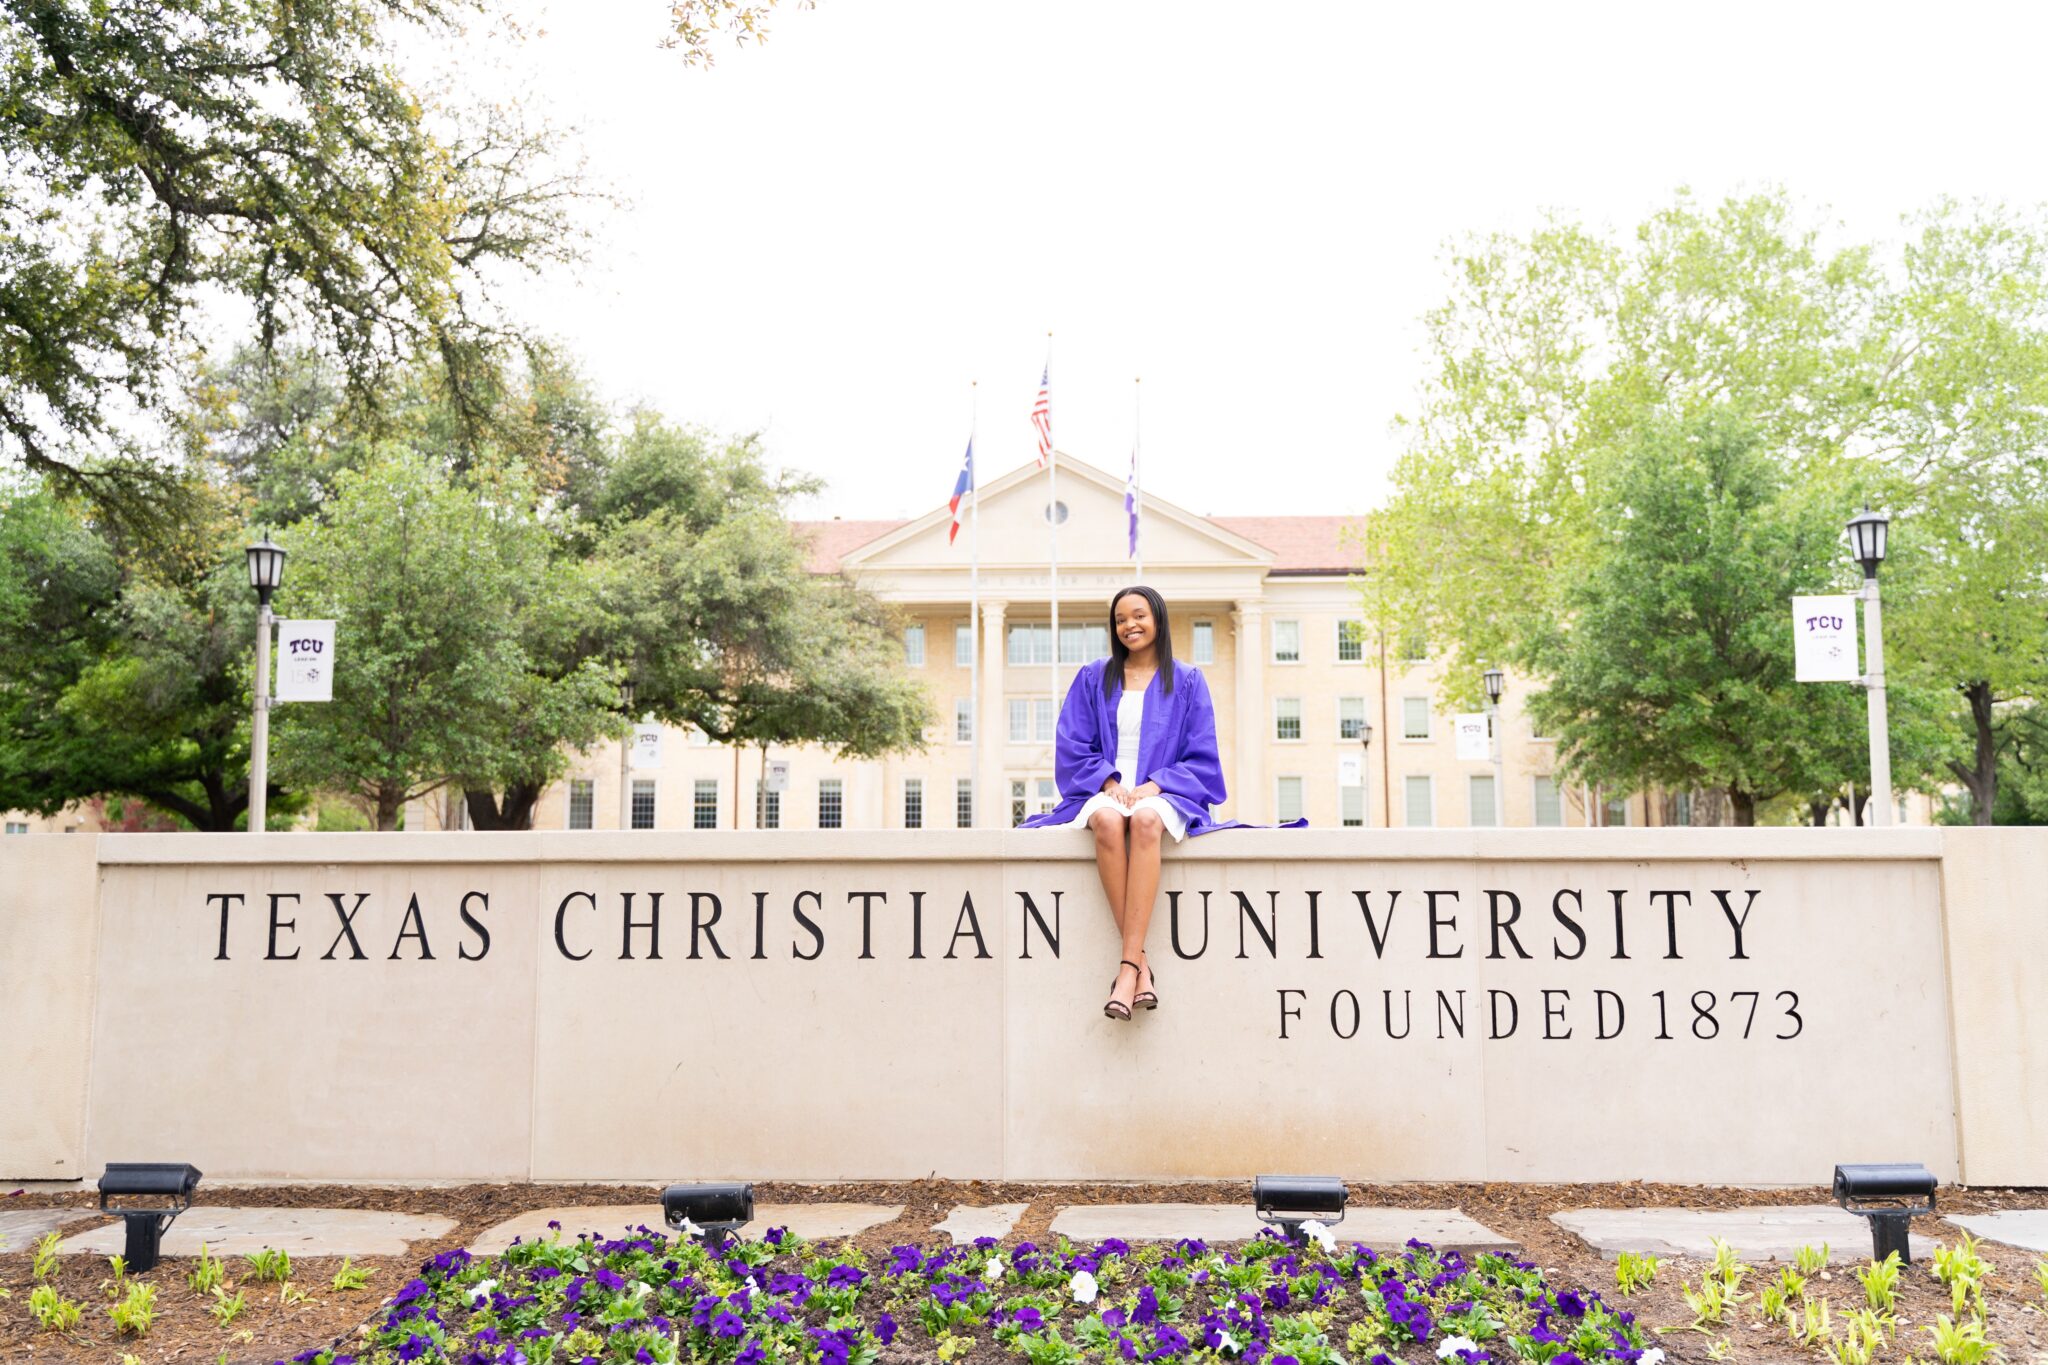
(185, 1332)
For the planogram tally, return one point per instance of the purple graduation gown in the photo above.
(1176, 748)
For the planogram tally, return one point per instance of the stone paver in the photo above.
(968, 1221)
(302, 1232)
(1766, 1233)
(21, 1229)
(1379, 1228)
(809, 1221)
(2027, 1228)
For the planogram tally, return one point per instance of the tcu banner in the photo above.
(1824, 639)
(305, 661)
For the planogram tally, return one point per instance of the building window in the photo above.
(1681, 809)
(831, 803)
(767, 807)
(913, 646)
(1205, 642)
(1048, 795)
(1415, 717)
(1421, 801)
(1414, 647)
(1287, 642)
(1286, 799)
(1030, 645)
(1083, 644)
(17, 826)
(1350, 642)
(1479, 799)
(581, 803)
(963, 803)
(643, 803)
(1549, 809)
(963, 646)
(963, 720)
(1350, 717)
(1032, 719)
(1287, 717)
(704, 804)
(913, 803)
(1616, 813)
(1351, 805)
(1017, 810)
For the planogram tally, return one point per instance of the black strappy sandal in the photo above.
(1145, 1000)
(1117, 1009)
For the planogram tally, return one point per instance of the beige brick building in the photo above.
(1264, 606)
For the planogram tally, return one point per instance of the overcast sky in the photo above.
(826, 238)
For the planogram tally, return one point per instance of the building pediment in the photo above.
(1014, 530)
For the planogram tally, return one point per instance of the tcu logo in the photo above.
(1823, 623)
(301, 647)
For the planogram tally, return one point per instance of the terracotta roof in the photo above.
(1300, 545)
(829, 540)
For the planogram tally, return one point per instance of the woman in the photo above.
(1135, 758)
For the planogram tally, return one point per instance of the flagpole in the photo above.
(1052, 469)
(1137, 487)
(974, 613)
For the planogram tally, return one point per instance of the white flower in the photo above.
(1084, 1287)
(1653, 1356)
(688, 1228)
(1230, 1345)
(1450, 1346)
(993, 1271)
(481, 1291)
(1320, 1233)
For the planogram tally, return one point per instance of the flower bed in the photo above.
(649, 1300)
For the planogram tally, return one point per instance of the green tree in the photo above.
(436, 587)
(158, 155)
(120, 674)
(1962, 421)
(1670, 663)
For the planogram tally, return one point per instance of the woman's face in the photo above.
(1134, 624)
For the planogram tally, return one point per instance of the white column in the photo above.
(1881, 811)
(1249, 798)
(991, 723)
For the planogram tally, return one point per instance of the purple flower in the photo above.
(775, 1236)
(1029, 1319)
(1566, 1358)
(608, 1281)
(844, 1276)
(833, 1347)
(1169, 1341)
(885, 1329)
(1148, 1306)
(415, 1347)
(644, 1356)
(1276, 1297)
(984, 1242)
(750, 1354)
(1571, 1305)
(727, 1324)
(903, 1260)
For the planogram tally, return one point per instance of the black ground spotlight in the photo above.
(1288, 1201)
(716, 1209)
(1889, 1196)
(149, 1194)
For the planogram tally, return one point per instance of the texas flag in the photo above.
(962, 486)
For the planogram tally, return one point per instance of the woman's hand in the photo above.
(1144, 790)
(1119, 793)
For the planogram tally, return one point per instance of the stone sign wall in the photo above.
(1708, 1006)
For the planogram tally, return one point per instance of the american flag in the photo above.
(1131, 502)
(1041, 415)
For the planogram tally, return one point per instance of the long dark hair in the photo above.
(1162, 645)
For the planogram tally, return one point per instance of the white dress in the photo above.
(1130, 718)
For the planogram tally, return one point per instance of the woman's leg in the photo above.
(1141, 888)
(1112, 852)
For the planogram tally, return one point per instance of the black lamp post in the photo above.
(626, 693)
(1867, 535)
(266, 571)
(1496, 685)
(1365, 770)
